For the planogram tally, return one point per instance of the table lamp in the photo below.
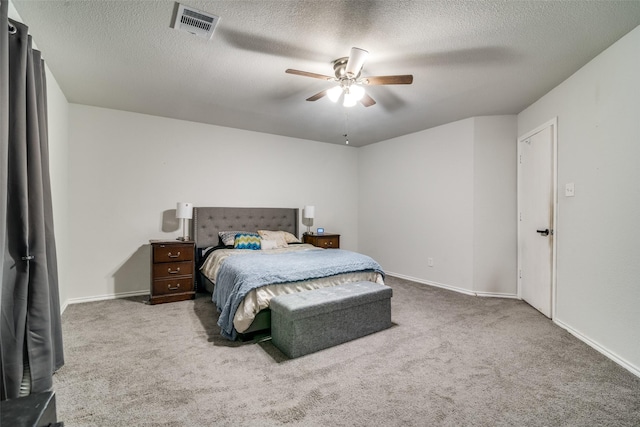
(184, 211)
(308, 216)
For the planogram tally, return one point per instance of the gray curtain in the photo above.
(30, 329)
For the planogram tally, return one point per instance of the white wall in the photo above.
(598, 238)
(58, 110)
(58, 115)
(127, 171)
(446, 193)
(495, 206)
(415, 195)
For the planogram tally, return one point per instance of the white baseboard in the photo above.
(619, 360)
(497, 295)
(102, 298)
(452, 288)
(430, 283)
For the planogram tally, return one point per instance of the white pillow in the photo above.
(290, 238)
(278, 236)
(268, 244)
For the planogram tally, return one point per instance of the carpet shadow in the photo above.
(205, 310)
(279, 357)
(273, 351)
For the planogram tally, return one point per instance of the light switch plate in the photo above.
(569, 190)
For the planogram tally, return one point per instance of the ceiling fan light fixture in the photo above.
(334, 93)
(350, 87)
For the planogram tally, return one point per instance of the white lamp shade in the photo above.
(309, 212)
(184, 210)
(349, 100)
(334, 93)
(356, 91)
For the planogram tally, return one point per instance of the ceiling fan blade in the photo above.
(317, 96)
(308, 74)
(355, 62)
(367, 101)
(406, 79)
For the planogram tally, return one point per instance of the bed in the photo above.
(243, 281)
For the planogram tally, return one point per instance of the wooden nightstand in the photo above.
(172, 266)
(324, 240)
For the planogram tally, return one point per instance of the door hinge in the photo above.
(520, 274)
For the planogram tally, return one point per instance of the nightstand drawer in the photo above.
(172, 286)
(329, 242)
(172, 253)
(172, 269)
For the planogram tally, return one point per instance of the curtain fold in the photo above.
(30, 327)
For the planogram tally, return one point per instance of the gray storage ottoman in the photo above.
(305, 322)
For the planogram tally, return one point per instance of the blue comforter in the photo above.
(240, 274)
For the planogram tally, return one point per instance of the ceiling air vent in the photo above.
(195, 21)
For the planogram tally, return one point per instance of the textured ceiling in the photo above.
(468, 58)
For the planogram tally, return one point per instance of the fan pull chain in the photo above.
(346, 128)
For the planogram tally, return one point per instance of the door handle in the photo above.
(544, 232)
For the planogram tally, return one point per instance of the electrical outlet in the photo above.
(430, 262)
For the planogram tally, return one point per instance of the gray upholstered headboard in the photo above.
(207, 222)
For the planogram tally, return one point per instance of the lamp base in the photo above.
(184, 237)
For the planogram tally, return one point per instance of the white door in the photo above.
(536, 206)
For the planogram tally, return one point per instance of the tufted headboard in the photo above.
(207, 222)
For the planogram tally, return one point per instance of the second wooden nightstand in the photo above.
(171, 271)
(324, 240)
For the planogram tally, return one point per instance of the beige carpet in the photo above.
(449, 360)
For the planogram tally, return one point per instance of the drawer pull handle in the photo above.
(174, 288)
(170, 255)
(176, 271)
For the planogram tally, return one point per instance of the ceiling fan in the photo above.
(350, 88)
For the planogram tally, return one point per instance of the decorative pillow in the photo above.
(247, 241)
(290, 238)
(268, 244)
(277, 236)
(229, 237)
